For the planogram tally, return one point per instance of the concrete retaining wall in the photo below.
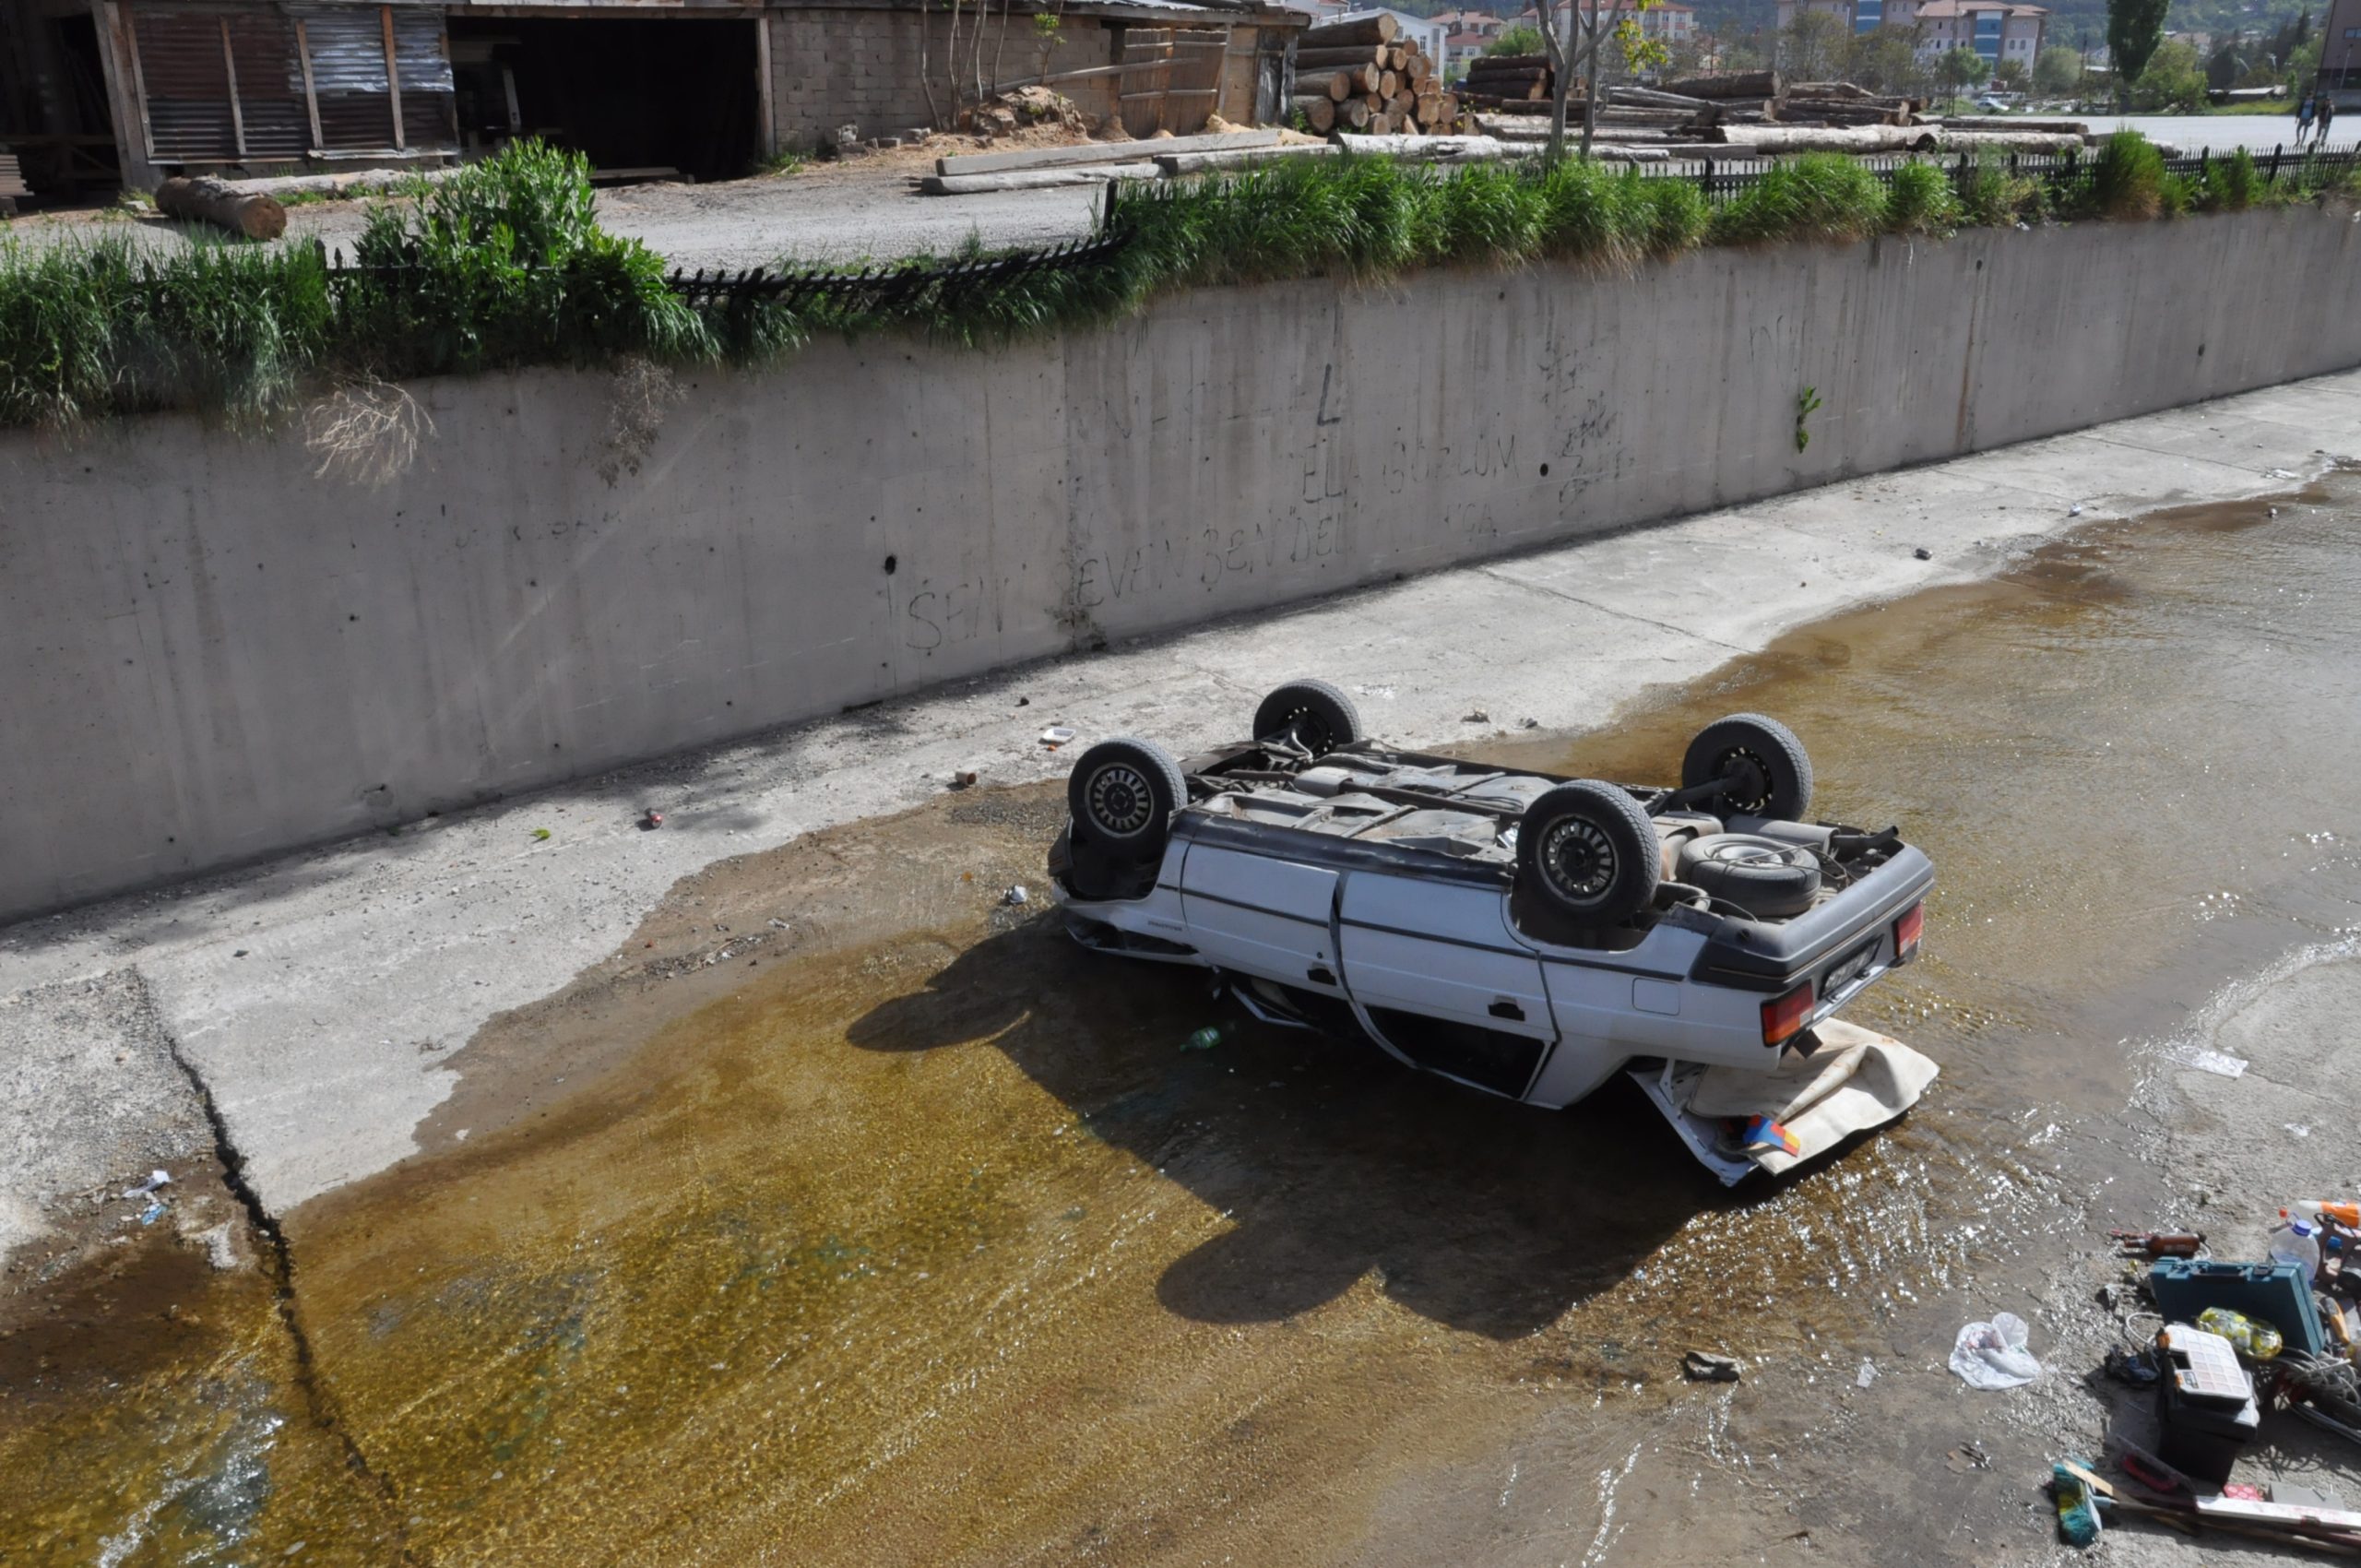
(214, 653)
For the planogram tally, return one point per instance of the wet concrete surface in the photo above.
(903, 1231)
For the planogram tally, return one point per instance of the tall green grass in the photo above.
(505, 264)
(1818, 195)
(1920, 200)
(2127, 178)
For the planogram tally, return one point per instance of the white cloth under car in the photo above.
(1855, 1080)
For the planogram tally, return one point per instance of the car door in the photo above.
(1442, 978)
(1262, 915)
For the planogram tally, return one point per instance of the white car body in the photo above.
(1319, 900)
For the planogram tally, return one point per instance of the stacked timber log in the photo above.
(1361, 76)
(1508, 82)
(1743, 115)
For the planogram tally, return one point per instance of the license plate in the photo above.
(1848, 969)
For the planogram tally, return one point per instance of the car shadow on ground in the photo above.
(1331, 1160)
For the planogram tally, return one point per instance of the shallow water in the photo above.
(942, 1251)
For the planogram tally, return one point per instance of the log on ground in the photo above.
(1320, 113)
(1310, 60)
(2014, 123)
(2009, 141)
(1468, 150)
(1735, 84)
(1831, 139)
(1178, 163)
(1373, 30)
(1650, 97)
(1099, 152)
(250, 213)
(1038, 179)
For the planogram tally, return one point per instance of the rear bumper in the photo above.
(1752, 956)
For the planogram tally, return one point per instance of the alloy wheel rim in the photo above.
(1580, 857)
(1121, 802)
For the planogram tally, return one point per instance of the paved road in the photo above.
(826, 215)
(2217, 131)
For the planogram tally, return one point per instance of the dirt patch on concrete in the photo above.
(949, 862)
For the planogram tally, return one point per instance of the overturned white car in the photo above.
(1522, 934)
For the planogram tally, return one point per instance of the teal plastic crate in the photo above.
(2275, 1293)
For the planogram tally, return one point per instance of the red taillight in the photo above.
(1907, 932)
(1782, 1018)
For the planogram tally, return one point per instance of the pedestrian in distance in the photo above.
(2327, 115)
(2303, 119)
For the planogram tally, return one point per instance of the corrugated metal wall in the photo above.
(347, 48)
(422, 60)
(187, 78)
(198, 113)
(270, 84)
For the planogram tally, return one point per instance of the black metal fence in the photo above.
(899, 289)
(2061, 173)
(911, 288)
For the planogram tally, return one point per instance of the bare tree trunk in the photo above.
(1560, 49)
(951, 63)
(1000, 45)
(1590, 79)
(976, 49)
(926, 83)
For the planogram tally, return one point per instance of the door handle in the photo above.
(1318, 976)
(1505, 1008)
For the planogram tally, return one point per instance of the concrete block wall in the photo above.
(833, 67)
(214, 653)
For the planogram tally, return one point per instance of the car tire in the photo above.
(1766, 878)
(1768, 772)
(1588, 851)
(1122, 795)
(1313, 714)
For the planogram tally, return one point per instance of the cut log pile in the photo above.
(1362, 76)
(1741, 114)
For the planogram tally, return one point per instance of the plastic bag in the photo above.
(2255, 1341)
(1993, 1355)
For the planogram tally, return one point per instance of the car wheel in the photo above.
(1312, 714)
(1760, 766)
(1762, 876)
(1122, 795)
(1590, 852)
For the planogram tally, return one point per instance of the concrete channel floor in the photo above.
(313, 998)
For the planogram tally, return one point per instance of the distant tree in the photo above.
(2009, 75)
(1521, 39)
(2227, 61)
(2134, 28)
(1812, 46)
(1741, 51)
(1684, 57)
(2058, 71)
(1963, 68)
(2174, 79)
(1576, 35)
(1884, 60)
(2302, 67)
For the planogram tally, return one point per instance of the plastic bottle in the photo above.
(2255, 1341)
(1210, 1035)
(2296, 1241)
(2312, 1211)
